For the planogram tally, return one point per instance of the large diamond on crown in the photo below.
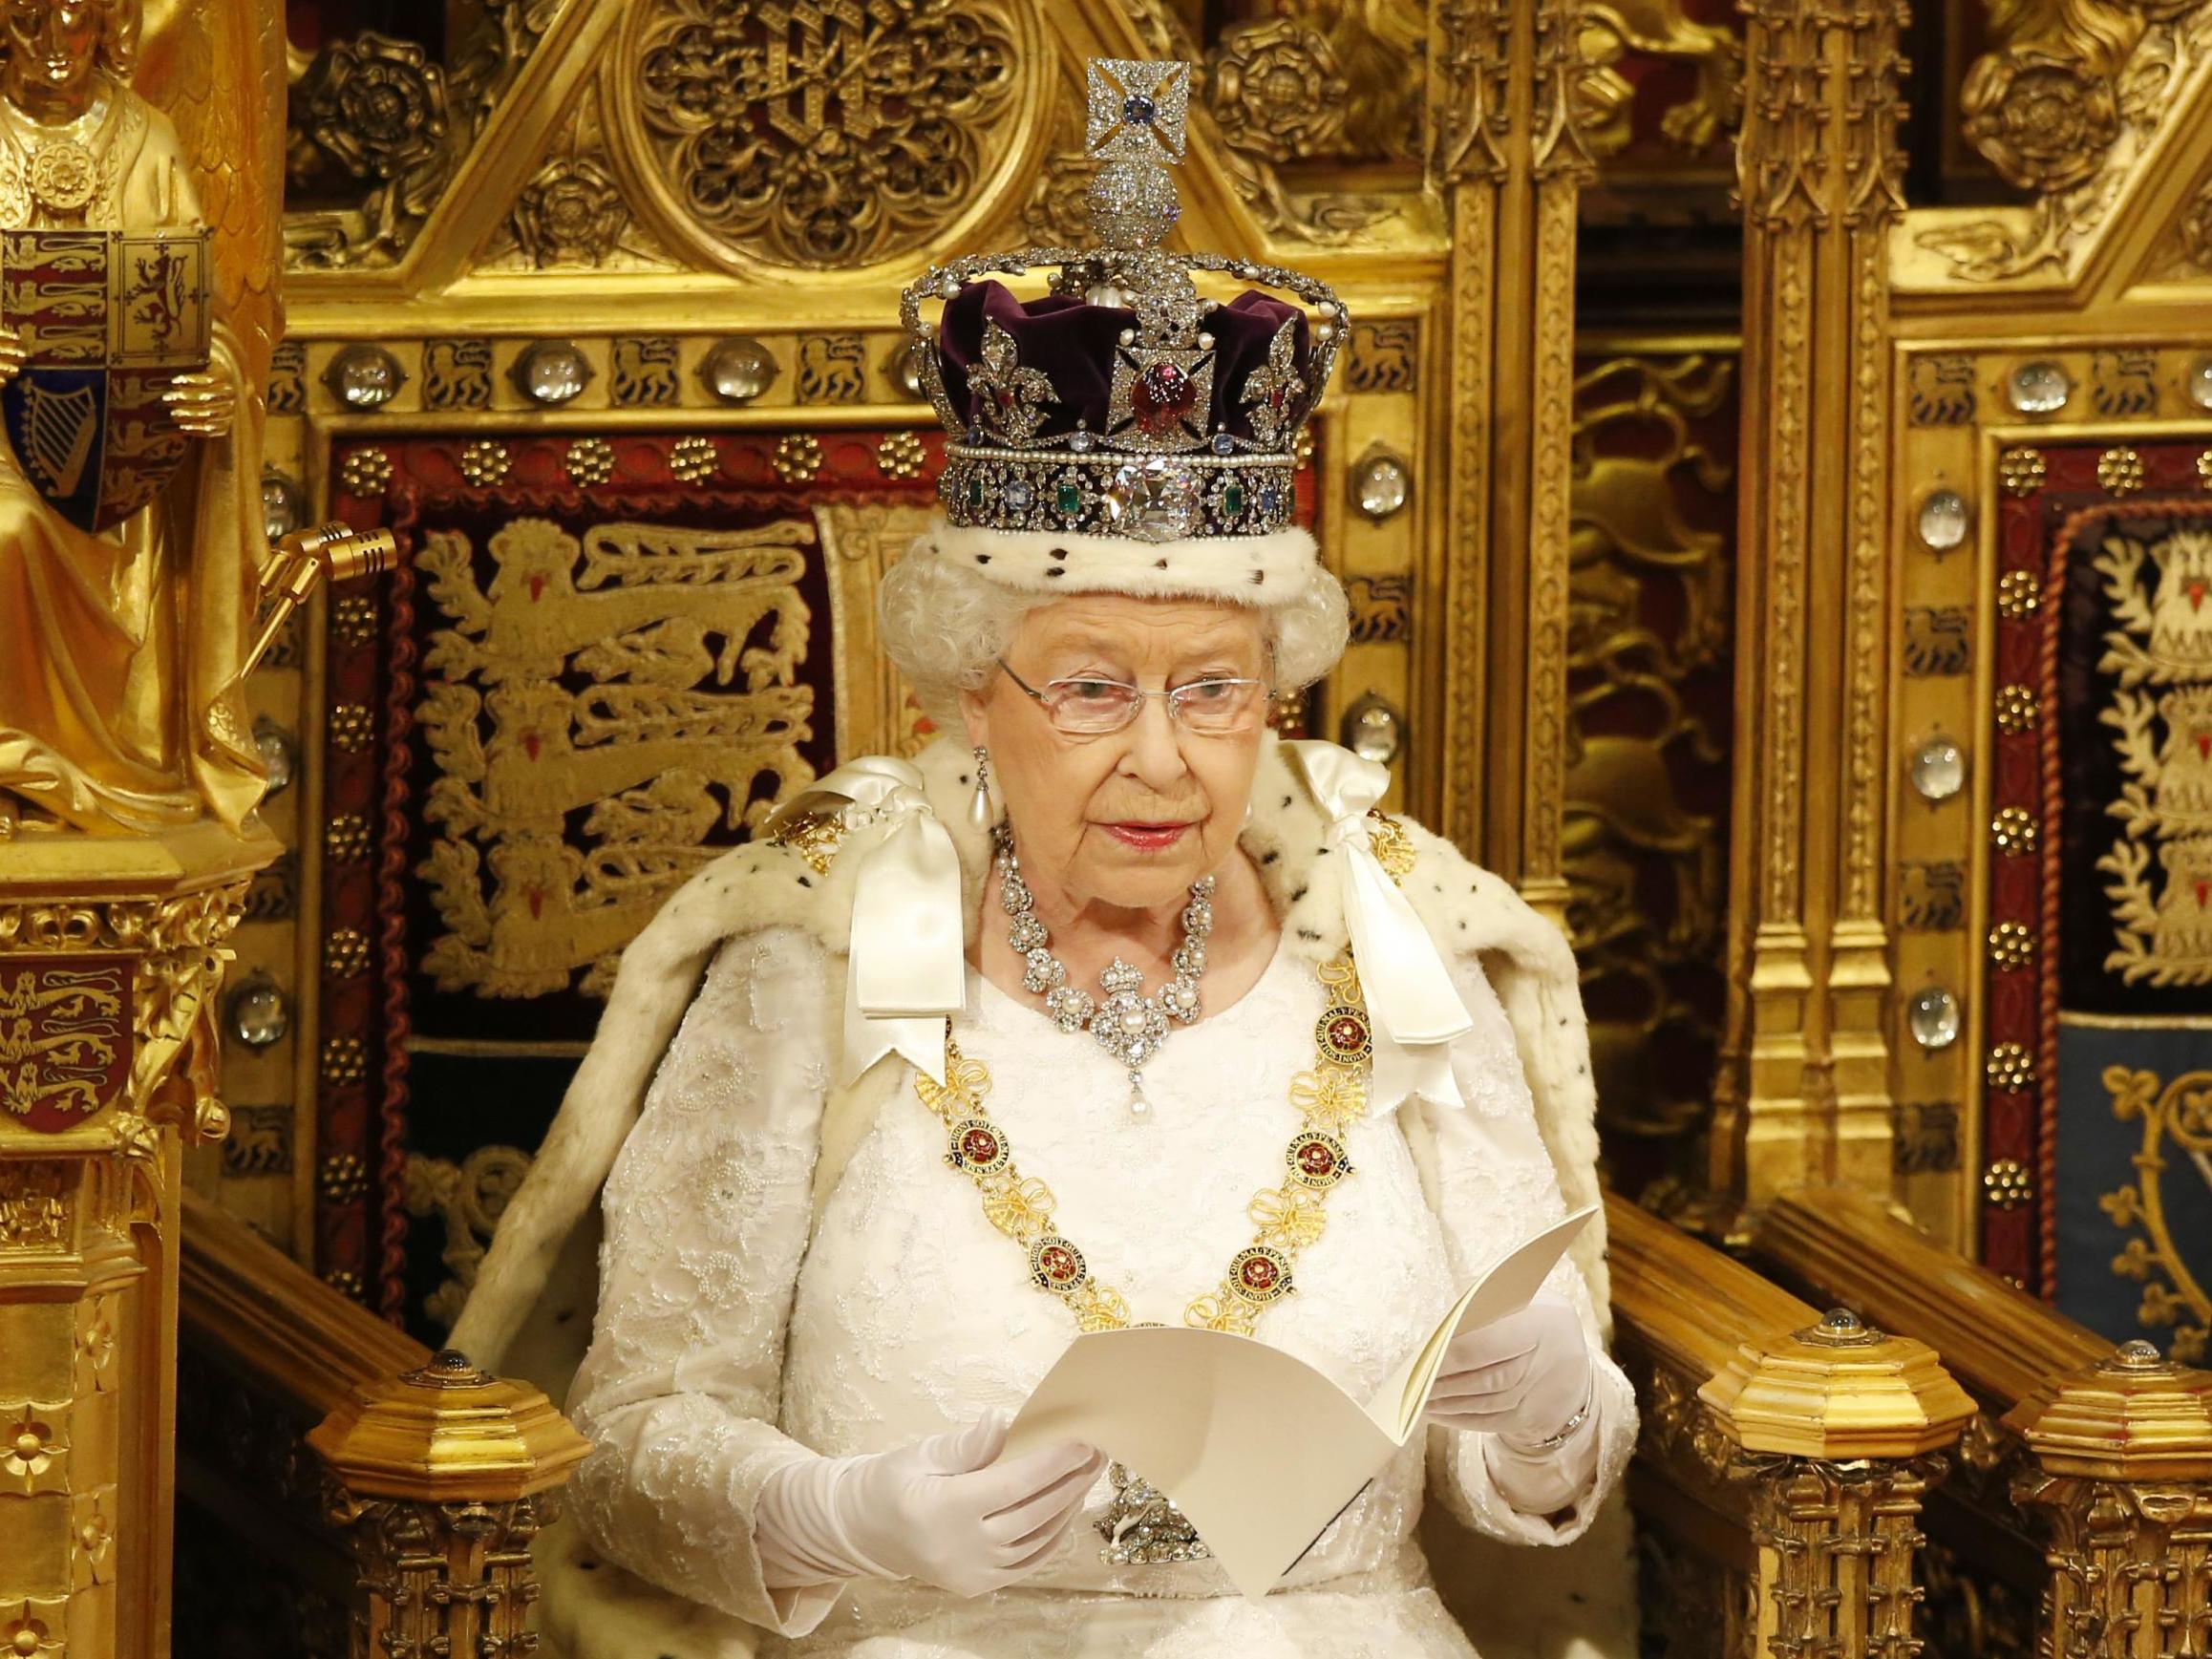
(1154, 500)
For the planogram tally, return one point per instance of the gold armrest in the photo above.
(1998, 1341)
(2102, 1457)
(264, 1316)
(1784, 1454)
(440, 1474)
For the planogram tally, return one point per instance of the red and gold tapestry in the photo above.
(2099, 1066)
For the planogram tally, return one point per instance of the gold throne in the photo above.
(1702, 505)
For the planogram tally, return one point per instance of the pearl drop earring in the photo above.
(979, 813)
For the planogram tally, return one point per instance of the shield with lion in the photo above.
(110, 319)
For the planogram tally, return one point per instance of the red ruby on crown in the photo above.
(1162, 395)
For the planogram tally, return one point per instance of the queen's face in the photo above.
(1130, 818)
(52, 47)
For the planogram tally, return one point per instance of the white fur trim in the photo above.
(1263, 571)
(1468, 911)
(537, 1282)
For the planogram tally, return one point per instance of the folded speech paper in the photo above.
(1259, 1450)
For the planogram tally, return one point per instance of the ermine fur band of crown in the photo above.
(1122, 408)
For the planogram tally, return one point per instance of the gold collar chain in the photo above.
(1288, 1216)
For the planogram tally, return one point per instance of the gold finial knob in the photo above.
(2135, 1357)
(447, 1431)
(1839, 1389)
(2132, 1415)
(448, 1368)
(1841, 1327)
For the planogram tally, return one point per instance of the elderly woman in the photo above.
(1158, 958)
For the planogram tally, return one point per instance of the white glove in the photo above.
(941, 1510)
(1522, 1379)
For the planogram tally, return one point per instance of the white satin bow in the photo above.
(907, 970)
(1414, 1010)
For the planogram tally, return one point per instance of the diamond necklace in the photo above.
(1128, 1025)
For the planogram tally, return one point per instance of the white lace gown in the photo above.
(729, 1342)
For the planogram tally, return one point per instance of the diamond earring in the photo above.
(979, 814)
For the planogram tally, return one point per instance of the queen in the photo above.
(1021, 1039)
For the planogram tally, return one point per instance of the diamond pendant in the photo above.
(1142, 1527)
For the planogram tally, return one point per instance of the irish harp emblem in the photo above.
(110, 318)
(60, 429)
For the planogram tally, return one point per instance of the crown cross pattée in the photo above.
(1137, 109)
(1163, 372)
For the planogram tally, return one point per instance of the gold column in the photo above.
(1838, 1432)
(1512, 162)
(445, 1474)
(110, 956)
(2123, 1480)
(1804, 1092)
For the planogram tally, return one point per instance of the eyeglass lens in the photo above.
(1094, 706)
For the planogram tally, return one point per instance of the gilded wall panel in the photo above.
(1649, 697)
(1667, 81)
(1993, 966)
(2084, 108)
(379, 127)
(818, 137)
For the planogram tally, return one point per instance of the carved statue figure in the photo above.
(119, 705)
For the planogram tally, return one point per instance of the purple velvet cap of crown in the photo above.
(1073, 343)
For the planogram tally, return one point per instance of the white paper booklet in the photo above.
(1203, 1416)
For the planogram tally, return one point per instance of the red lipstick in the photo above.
(1148, 838)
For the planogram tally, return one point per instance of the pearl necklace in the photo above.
(1129, 1025)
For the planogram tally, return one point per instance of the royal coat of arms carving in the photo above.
(109, 319)
(65, 1040)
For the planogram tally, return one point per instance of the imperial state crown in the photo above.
(1121, 406)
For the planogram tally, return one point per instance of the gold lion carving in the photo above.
(687, 645)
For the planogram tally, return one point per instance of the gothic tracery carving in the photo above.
(820, 133)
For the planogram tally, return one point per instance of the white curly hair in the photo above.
(945, 625)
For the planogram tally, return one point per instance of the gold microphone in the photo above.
(333, 552)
